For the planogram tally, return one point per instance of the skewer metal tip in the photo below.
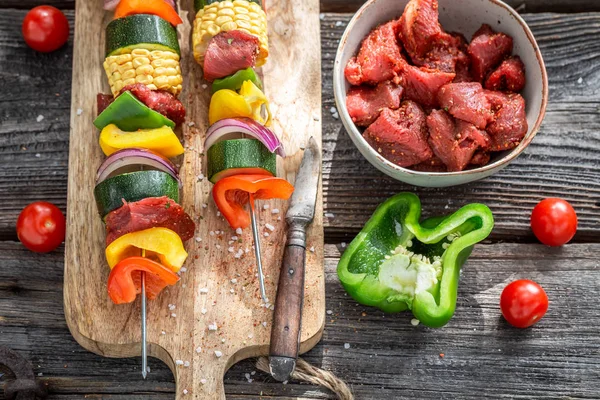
(144, 328)
(261, 276)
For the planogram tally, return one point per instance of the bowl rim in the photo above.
(390, 166)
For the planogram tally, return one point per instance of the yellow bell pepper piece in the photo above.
(160, 242)
(249, 102)
(161, 140)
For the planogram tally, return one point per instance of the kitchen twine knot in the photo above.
(306, 372)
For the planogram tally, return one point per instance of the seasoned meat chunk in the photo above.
(159, 100)
(422, 84)
(148, 213)
(487, 50)
(510, 75)
(364, 103)
(229, 52)
(400, 135)
(466, 101)
(448, 54)
(509, 126)
(379, 58)
(420, 29)
(454, 142)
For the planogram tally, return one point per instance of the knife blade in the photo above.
(287, 317)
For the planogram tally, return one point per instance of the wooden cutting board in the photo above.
(216, 287)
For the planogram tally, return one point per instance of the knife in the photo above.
(287, 317)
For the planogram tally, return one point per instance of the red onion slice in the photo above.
(110, 5)
(130, 160)
(247, 126)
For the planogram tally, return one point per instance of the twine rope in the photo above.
(307, 373)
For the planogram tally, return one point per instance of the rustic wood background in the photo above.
(387, 358)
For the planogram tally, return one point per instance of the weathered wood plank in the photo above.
(387, 358)
(564, 159)
(530, 6)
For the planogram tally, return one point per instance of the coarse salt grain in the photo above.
(183, 269)
(204, 205)
(213, 326)
(275, 211)
(266, 234)
(270, 227)
(218, 213)
(218, 246)
(230, 249)
(264, 324)
(231, 290)
(223, 340)
(191, 124)
(266, 207)
(346, 346)
(186, 364)
(312, 249)
(79, 111)
(329, 312)
(339, 23)
(203, 381)
(37, 155)
(329, 215)
(234, 238)
(198, 239)
(172, 307)
(185, 391)
(204, 86)
(163, 333)
(343, 245)
(211, 233)
(204, 311)
(250, 336)
(414, 322)
(200, 177)
(198, 349)
(218, 353)
(178, 362)
(234, 281)
(173, 315)
(39, 118)
(239, 231)
(204, 290)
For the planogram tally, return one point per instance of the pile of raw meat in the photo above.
(433, 101)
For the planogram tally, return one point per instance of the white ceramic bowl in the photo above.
(464, 16)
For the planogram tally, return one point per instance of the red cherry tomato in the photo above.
(523, 303)
(41, 227)
(45, 29)
(554, 222)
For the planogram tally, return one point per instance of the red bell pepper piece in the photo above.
(155, 7)
(124, 282)
(231, 193)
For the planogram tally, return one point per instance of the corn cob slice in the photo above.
(225, 16)
(157, 69)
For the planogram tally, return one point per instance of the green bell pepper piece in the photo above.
(130, 114)
(234, 82)
(397, 262)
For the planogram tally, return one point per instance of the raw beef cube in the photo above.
(400, 135)
(466, 101)
(379, 58)
(420, 29)
(454, 143)
(510, 75)
(364, 103)
(487, 49)
(509, 126)
(422, 84)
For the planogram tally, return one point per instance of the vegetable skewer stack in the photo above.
(137, 187)
(229, 41)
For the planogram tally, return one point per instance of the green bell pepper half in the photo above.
(397, 262)
(234, 82)
(130, 114)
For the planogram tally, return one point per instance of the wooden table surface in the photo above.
(387, 357)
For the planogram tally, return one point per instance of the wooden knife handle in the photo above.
(287, 318)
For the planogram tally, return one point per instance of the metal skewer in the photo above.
(144, 341)
(261, 277)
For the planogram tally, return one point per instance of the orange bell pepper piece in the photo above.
(124, 281)
(231, 193)
(155, 7)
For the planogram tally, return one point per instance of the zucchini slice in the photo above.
(140, 31)
(134, 186)
(237, 157)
